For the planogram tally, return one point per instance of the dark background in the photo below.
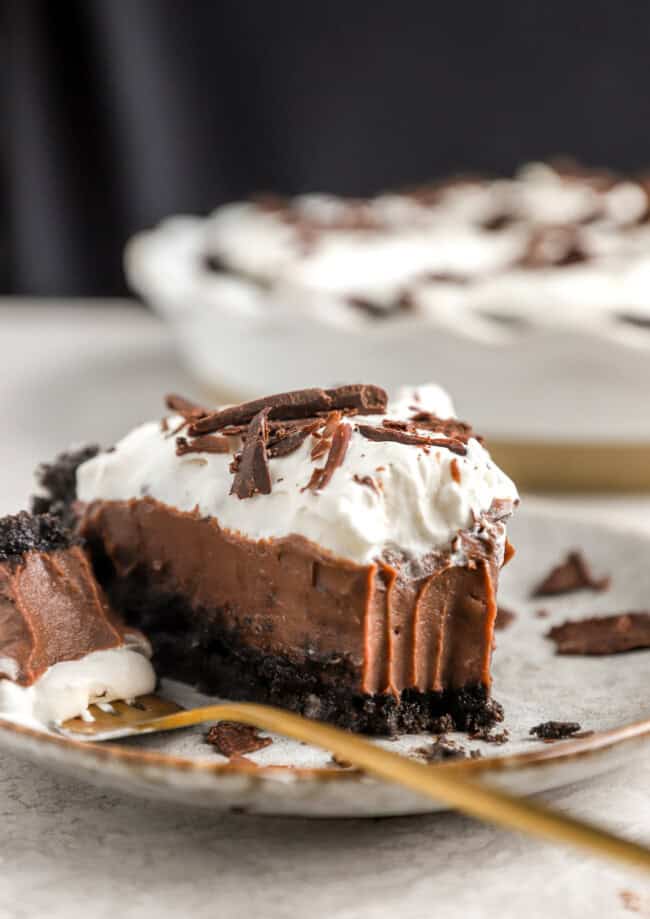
(120, 112)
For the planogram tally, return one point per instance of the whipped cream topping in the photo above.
(309, 257)
(385, 495)
(373, 264)
(67, 688)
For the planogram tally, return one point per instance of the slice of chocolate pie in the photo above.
(62, 647)
(322, 550)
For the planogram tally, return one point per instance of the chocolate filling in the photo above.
(386, 646)
(51, 610)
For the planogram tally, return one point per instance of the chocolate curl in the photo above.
(208, 443)
(406, 437)
(190, 411)
(321, 477)
(252, 474)
(299, 403)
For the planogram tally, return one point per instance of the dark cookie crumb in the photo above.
(555, 730)
(488, 736)
(25, 532)
(443, 749)
(440, 750)
(442, 725)
(341, 763)
(58, 480)
(479, 717)
(232, 739)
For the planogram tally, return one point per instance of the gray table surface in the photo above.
(71, 373)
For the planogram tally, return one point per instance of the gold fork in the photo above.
(448, 783)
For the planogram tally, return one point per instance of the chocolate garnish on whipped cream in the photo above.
(301, 403)
(252, 469)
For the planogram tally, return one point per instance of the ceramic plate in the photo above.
(606, 695)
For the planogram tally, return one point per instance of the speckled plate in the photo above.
(607, 695)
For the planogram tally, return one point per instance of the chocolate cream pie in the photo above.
(62, 647)
(555, 239)
(323, 550)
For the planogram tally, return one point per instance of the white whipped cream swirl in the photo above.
(420, 502)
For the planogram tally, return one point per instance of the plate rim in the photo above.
(549, 755)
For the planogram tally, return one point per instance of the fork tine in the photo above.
(122, 719)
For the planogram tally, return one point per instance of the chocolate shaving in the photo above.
(573, 574)
(498, 221)
(314, 481)
(277, 429)
(207, 443)
(287, 439)
(300, 403)
(555, 730)
(233, 739)
(182, 406)
(320, 448)
(405, 437)
(214, 263)
(505, 617)
(321, 477)
(331, 423)
(234, 430)
(252, 466)
(613, 634)
(179, 427)
(555, 246)
(450, 427)
(373, 309)
(324, 437)
(397, 425)
(366, 480)
(444, 277)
